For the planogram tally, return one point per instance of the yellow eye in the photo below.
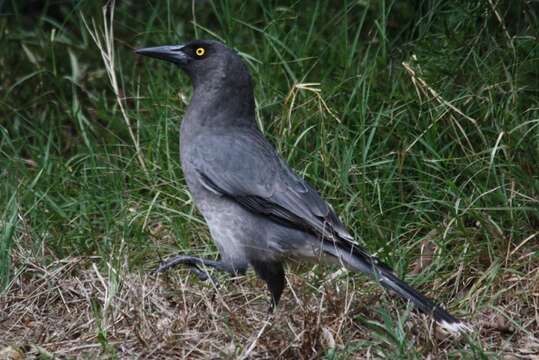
(200, 51)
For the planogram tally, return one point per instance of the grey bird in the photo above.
(259, 212)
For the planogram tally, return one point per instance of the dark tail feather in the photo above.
(358, 260)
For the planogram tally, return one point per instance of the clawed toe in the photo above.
(201, 274)
(165, 265)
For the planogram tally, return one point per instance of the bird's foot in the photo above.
(203, 275)
(164, 266)
(176, 260)
(190, 261)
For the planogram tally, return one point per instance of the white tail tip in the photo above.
(455, 328)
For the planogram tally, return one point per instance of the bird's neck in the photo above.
(223, 102)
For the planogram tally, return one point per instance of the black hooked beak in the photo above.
(170, 53)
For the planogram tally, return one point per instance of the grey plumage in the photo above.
(259, 212)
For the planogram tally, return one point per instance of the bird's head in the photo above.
(205, 61)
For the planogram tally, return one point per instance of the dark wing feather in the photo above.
(244, 166)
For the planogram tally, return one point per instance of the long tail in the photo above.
(357, 259)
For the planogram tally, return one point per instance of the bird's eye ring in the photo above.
(200, 51)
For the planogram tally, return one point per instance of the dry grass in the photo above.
(70, 308)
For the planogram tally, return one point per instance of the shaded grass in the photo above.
(448, 145)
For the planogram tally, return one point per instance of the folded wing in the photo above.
(246, 167)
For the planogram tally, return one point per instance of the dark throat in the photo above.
(223, 101)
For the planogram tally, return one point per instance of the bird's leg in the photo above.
(195, 263)
(272, 273)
